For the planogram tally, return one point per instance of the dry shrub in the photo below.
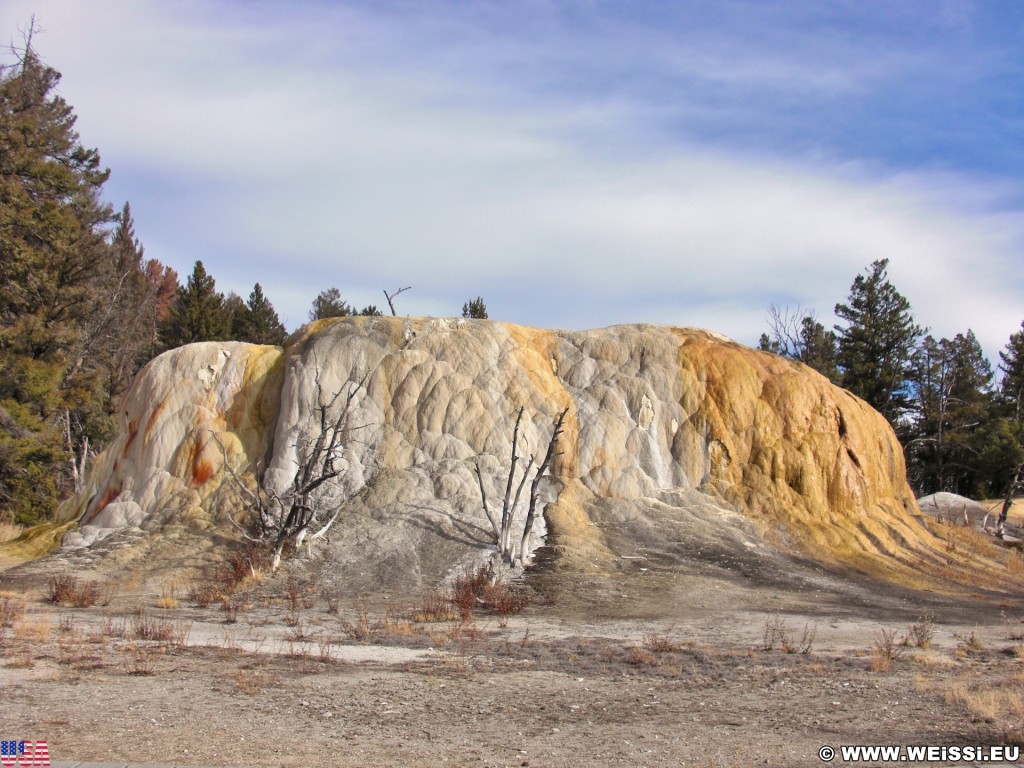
(112, 627)
(12, 609)
(65, 589)
(967, 644)
(468, 588)
(21, 660)
(434, 606)
(301, 593)
(360, 629)
(73, 652)
(807, 639)
(480, 589)
(885, 650)
(640, 656)
(921, 633)
(661, 644)
(146, 627)
(775, 632)
(242, 566)
(140, 661)
(465, 630)
(205, 593)
(333, 599)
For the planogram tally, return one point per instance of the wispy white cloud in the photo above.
(574, 167)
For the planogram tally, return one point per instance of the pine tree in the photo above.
(952, 404)
(876, 347)
(259, 323)
(475, 309)
(198, 313)
(53, 242)
(818, 348)
(52, 227)
(330, 304)
(796, 334)
(1012, 367)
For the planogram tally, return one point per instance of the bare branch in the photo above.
(284, 519)
(391, 296)
(503, 530)
(487, 510)
(524, 546)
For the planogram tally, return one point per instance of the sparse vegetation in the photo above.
(146, 627)
(886, 649)
(12, 609)
(168, 596)
(661, 644)
(251, 682)
(68, 590)
(921, 633)
(967, 643)
(775, 632)
(638, 655)
(482, 590)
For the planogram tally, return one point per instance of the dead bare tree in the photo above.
(502, 528)
(1015, 487)
(293, 517)
(391, 296)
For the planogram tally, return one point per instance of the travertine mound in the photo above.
(953, 508)
(675, 438)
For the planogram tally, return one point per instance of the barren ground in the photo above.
(652, 666)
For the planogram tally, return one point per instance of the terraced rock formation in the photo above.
(677, 441)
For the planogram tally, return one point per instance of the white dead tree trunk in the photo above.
(391, 298)
(78, 456)
(503, 528)
(1014, 487)
(293, 517)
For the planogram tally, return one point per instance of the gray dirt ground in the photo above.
(647, 667)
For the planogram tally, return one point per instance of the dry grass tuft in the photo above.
(251, 682)
(998, 703)
(434, 606)
(168, 596)
(33, 630)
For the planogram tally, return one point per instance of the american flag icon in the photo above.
(24, 753)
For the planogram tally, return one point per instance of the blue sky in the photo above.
(577, 164)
